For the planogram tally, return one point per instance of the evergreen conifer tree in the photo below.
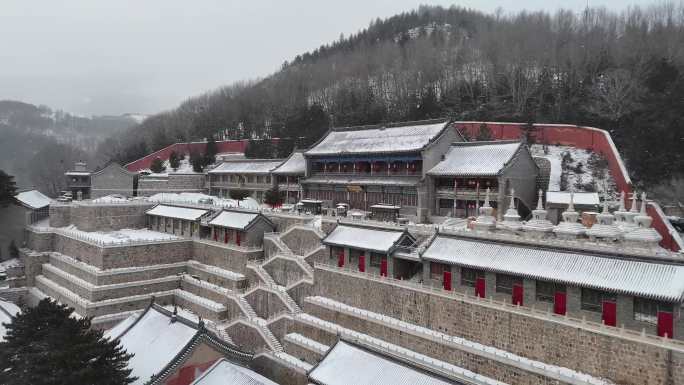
(157, 166)
(45, 345)
(174, 160)
(485, 133)
(197, 161)
(211, 151)
(8, 189)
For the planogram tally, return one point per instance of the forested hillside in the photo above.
(622, 72)
(38, 144)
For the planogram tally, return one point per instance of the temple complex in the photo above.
(356, 283)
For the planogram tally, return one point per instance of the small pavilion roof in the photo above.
(177, 212)
(476, 158)
(249, 166)
(347, 363)
(33, 199)
(295, 164)
(365, 238)
(224, 372)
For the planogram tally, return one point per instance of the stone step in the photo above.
(218, 294)
(443, 368)
(88, 308)
(100, 277)
(99, 293)
(453, 349)
(218, 276)
(304, 348)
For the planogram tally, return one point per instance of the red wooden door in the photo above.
(225, 235)
(610, 313)
(480, 287)
(665, 324)
(383, 267)
(237, 237)
(362, 263)
(340, 259)
(517, 297)
(559, 300)
(446, 283)
(215, 235)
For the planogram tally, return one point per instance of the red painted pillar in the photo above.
(237, 237)
(610, 313)
(215, 235)
(383, 267)
(225, 235)
(362, 263)
(340, 259)
(447, 281)
(559, 300)
(665, 324)
(517, 297)
(480, 287)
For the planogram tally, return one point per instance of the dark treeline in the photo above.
(619, 71)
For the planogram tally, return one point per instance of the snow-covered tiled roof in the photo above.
(643, 279)
(153, 339)
(348, 364)
(224, 372)
(33, 199)
(473, 158)
(77, 173)
(295, 164)
(405, 181)
(578, 198)
(246, 167)
(233, 219)
(363, 238)
(176, 212)
(405, 138)
(7, 311)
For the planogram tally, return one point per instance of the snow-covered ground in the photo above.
(199, 198)
(577, 171)
(110, 199)
(119, 236)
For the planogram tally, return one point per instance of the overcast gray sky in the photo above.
(117, 56)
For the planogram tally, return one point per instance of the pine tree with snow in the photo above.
(197, 161)
(8, 189)
(174, 161)
(210, 152)
(46, 345)
(157, 166)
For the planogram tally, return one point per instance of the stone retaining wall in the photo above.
(222, 256)
(101, 217)
(623, 360)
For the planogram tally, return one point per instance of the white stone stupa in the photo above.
(605, 229)
(539, 226)
(511, 220)
(644, 236)
(569, 229)
(625, 219)
(485, 220)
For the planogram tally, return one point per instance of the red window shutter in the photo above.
(559, 300)
(480, 287)
(517, 296)
(447, 280)
(665, 324)
(340, 259)
(610, 313)
(362, 263)
(383, 267)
